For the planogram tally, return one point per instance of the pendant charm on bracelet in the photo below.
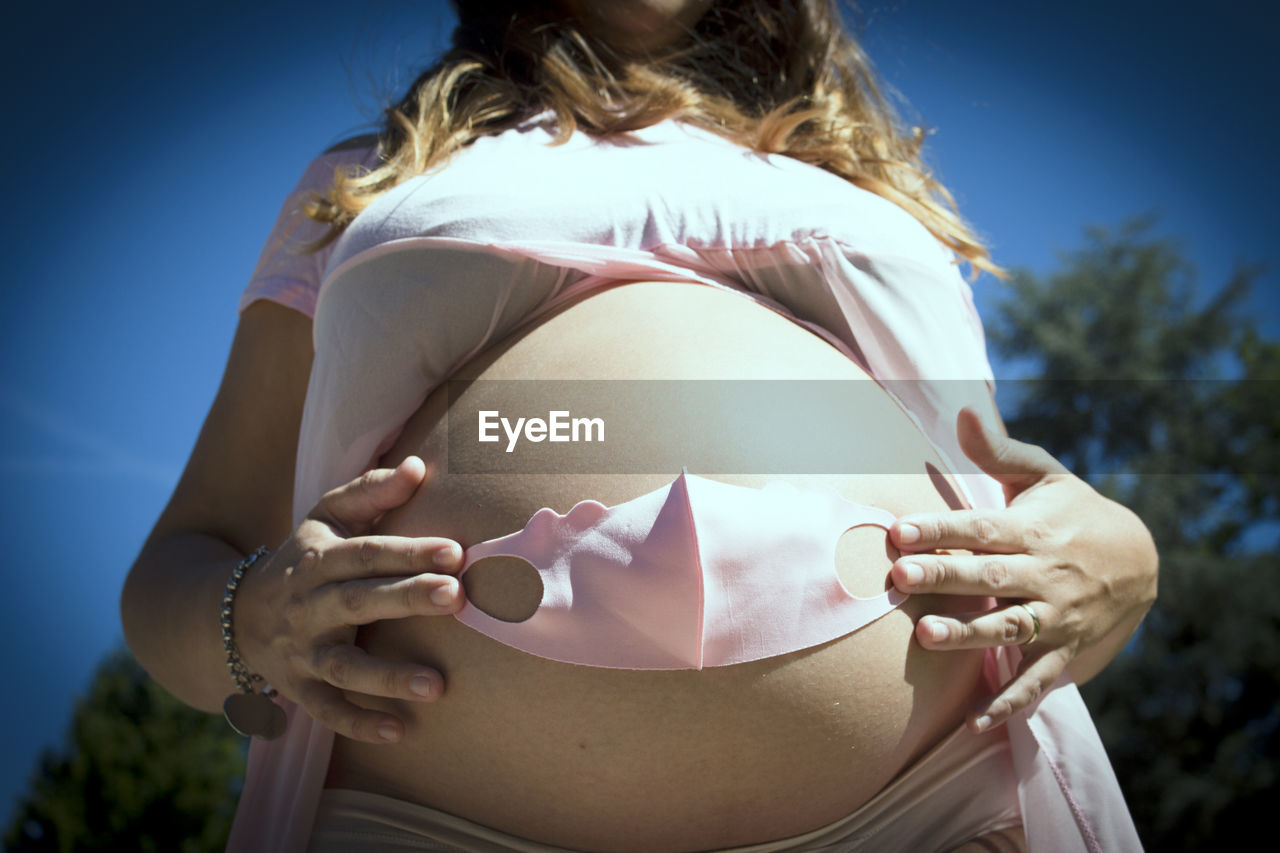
(254, 715)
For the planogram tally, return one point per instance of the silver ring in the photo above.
(1035, 620)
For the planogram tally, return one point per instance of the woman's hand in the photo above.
(296, 612)
(1083, 563)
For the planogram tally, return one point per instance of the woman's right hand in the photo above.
(297, 611)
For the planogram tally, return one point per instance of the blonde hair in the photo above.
(777, 77)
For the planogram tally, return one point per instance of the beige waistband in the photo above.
(961, 789)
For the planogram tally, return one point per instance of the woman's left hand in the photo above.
(1084, 564)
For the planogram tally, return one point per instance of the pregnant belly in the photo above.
(616, 760)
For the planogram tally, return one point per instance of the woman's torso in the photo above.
(606, 759)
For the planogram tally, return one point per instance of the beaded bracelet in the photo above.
(250, 713)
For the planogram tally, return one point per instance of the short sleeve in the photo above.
(286, 273)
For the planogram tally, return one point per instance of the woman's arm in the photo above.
(234, 495)
(1085, 564)
(294, 609)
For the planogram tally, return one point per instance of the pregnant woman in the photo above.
(647, 658)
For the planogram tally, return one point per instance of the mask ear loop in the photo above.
(506, 587)
(860, 552)
(860, 515)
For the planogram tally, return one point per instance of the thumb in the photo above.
(1015, 464)
(353, 507)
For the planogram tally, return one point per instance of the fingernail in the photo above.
(387, 732)
(447, 555)
(983, 723)
(443, 595)
(421, 685)
(908, 533)
(939, 631)
(914, 572)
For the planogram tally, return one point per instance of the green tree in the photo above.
(140, 772)
(1171, 408)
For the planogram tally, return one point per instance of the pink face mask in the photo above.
(697, 573)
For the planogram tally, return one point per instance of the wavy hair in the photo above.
(777, 76)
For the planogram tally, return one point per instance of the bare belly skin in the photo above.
(623, 760)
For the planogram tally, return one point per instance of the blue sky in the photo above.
(149, 147)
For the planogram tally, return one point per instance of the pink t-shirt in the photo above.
(512, 227)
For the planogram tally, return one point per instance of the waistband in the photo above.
(961, 789)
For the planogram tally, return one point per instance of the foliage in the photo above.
(1171, 409)
(140, 772)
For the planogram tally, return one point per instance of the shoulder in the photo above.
(361, 151)
(289, 270)
(362, 144)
